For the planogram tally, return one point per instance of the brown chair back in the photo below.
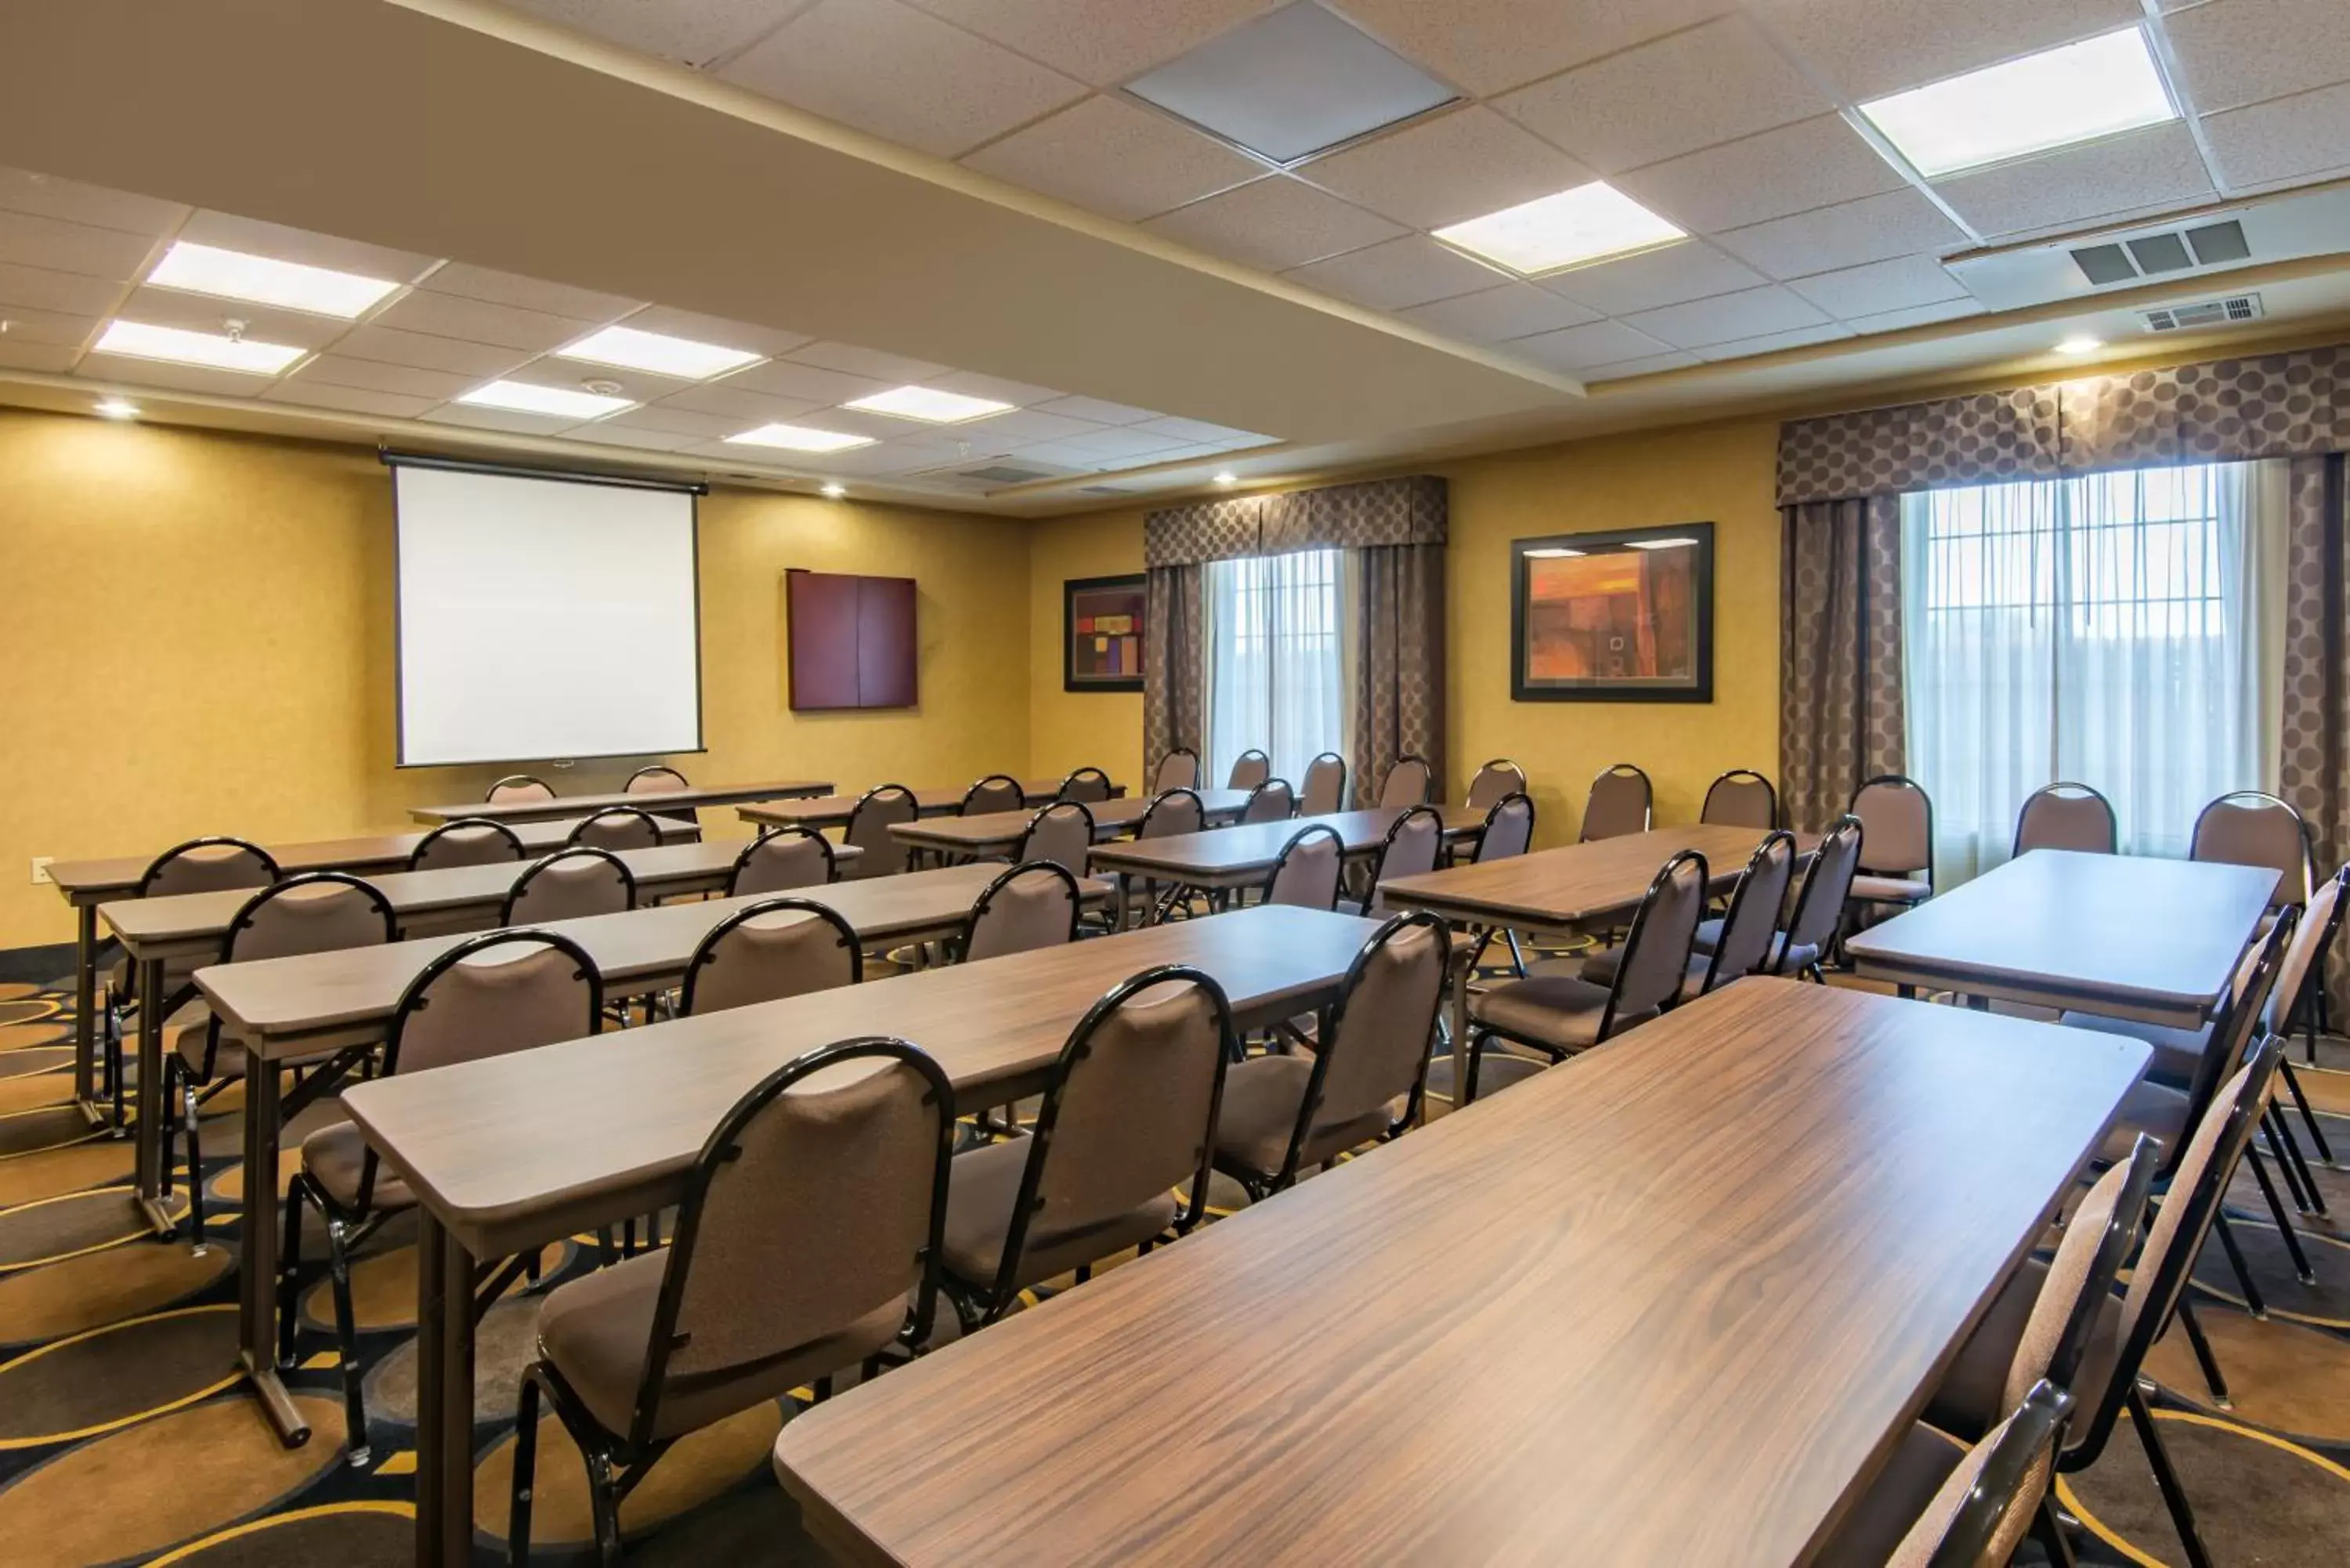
(1250, 769)
(2306, 957)
(1819, 908)
(1407, 783)
(769, 950)
(1306, 875)
(2253, 828)
(1375, 1042)
(780, 861)
(1897, 819)
(466, 841)
(1088, 785)
(1495, 783)
(1062, 833)
(1752, 918)
(217, 865)
(2238, 1020)
(490, 994)
(1621, 802)
(317, 912)
(996, 793)
(1325, 786)
(618, 828)
(1657, 950)
(1272, 801)
(515, 788)
(1414, 841)
(569, 885)
(1177, 812)
(1986, 1505)
(1740, 798)
(880, 809)
(1178, 769)
(1509, 828)
(2098, 1239)
(1031, 906)
(657, 779)
(2065, 817)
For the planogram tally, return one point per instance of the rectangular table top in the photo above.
(2131, 935)
(1222, 854)
(97, 881)
(1668, 1303)
(1574, 883)
(996, 829)
(274, 1001)
(513, 1150)
(512, 811)
(833, 810)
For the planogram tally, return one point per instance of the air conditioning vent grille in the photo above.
(1006, 473)
(2223, 312)
(2158, 255)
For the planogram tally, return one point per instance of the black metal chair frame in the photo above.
(1739, 775)
(2113, 828)
(465, 824)
(2037, 1427)
(1075, 774)
(1906, 781)
(1324, 757)
(1428, 772)
(568, 851)
(1269, 784)
(2300, 823)
(1847, 823)
(1311, 830)
(1252, 752)
(879, 793)
(651, 769)
(491, 794)
(831, 861)
(1486, 934)
(577, 835)
(1715, 978)
(1387, 846)
(962, 940)
(1171, 753)
(1020, 851)
(963, 807)
(1617, 769)
(706, 950)
(633, 1454)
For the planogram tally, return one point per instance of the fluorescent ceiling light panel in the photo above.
(799, 438)
(657, 353)
(1562, 230)
(143, 341)
(930, 405)
(1658, 543)
(2099, 87)
(233, 274)
(527, 398)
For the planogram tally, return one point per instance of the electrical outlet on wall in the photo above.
(41, 869)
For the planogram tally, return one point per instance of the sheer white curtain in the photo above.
(1277, 646)
(2119, 630)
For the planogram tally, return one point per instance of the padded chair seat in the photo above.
(183, 1034)
(2176, 1051)
(1496, 1070)
(1561, 1012)
(985, 1187)
(1600, 969)
(596, 1331)
(1259, 1113)
(2153, 1110)
(1922, 1461)
(336, 1156)
(1968, 1402)
(1890, 890)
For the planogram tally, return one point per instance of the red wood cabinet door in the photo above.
(887, 648)
(822, 611)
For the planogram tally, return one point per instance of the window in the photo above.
(1277, 652)
(2117, 630)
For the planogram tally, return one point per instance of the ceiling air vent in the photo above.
(2224, 312)
(2169, 251)
(1004, 473)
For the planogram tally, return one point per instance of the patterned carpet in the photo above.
(123, 1439)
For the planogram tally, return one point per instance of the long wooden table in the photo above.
(283, 1010)
(1223, 858)
(2130, 936)
(86, 884)
(999, 832)
(508, 1154)
(513, 811)
(822, 811)
(1673, 1303)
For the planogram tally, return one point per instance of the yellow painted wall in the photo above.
(1069, 730)
(198, 638)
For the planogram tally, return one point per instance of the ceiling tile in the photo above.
(716, 329)
(499, 420)
(1460, 165)
(1879, 286)
(529, 292)
(1916, 315)
(1872, 47)
(887, 68)
(1668, 98)
(1773, 342)
(1494, 314)
(368, 375)
(48, 358)
(257, 238)
(746, 409)
(1277, 223)
(676, 421)
(1412, 270)
(896, 369)
(121, 367)
(28, 239)
(38, 288)
(477, 321)
(1096, 409)
(1749, 313)
(423, 351)
(1121, 444)
(1690, 270)
(348, 399)
(1487, 46)
(604, 432)
(1111, 157)
(209, 313)
(51, 328)
(637, 386)
(2304, 135)
(2235, 52)
(1580, 347)
(1624, 370)
(1194, 430)
(1027, 426)
(1814, 164)
(2155, 168)
(1019, 394)
(22, 190)
(1099, 41)
(693, 31)
(1061, 454)
(1900, 222)
(785, 378)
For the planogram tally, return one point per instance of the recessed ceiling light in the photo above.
(931, 405)
(1562, 230)
(2099, 87)
(2080, 345)
(799, 438)
(117, 409)
(1658, 543)
(1228, 477)
(232, 274)
(834, 490)
(526, 398)
(657, 352)
(143, 341)
(1552, 554)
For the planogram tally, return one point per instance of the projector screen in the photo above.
(543, 618)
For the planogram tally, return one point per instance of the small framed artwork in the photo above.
(1620, 617)
(1101, 634)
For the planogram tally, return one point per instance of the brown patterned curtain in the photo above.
(1400, 677)
(1173, 663)
(1840, 702)
(2313, 770)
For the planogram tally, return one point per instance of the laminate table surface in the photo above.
(997, 832)
(1672, 1303)
(512, 811)
(820, 811)
(2133, 936)
(1243, 854)
(1555, 889)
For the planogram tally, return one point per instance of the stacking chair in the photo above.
(1087, 784)
(1740, 798)
(1172, 814)
(1272, 801)
(1280, 1113)
(1129, 1116)
(1494, 782)
(813, 1215)
(569, 885)
(1745, 939)
(1062, 833)
(466, 841)
(779, 861)
(662, 779)
(2252, 827)
(1988, 1499)
(1556, 1015)
(1509, 830)
(518, 787)
(1250, 769)
(317, 912)
(1408, 783)
(1897, 819)
(2067, 816)
(1803, 947)
(1178, 769)
(996, 793)
(1621, 802)
(1306, 875)
(768, 951)
(1031, 906)
(618, 828)
(876, 811)
(490, 994)
(1410, 847)
(1325, 786)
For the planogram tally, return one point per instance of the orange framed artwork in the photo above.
(1620, 617)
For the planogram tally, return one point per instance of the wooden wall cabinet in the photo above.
(851, 641)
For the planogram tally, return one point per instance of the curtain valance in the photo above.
(2222, 411)
(1384, 512)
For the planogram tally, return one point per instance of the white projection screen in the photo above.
(543, 618)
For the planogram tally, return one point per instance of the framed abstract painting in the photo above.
(1620, 617)
(1101, 634)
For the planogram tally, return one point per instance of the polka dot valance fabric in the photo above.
(2222, 410)
(1379, 513)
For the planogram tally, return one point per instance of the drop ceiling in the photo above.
(964, 193)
